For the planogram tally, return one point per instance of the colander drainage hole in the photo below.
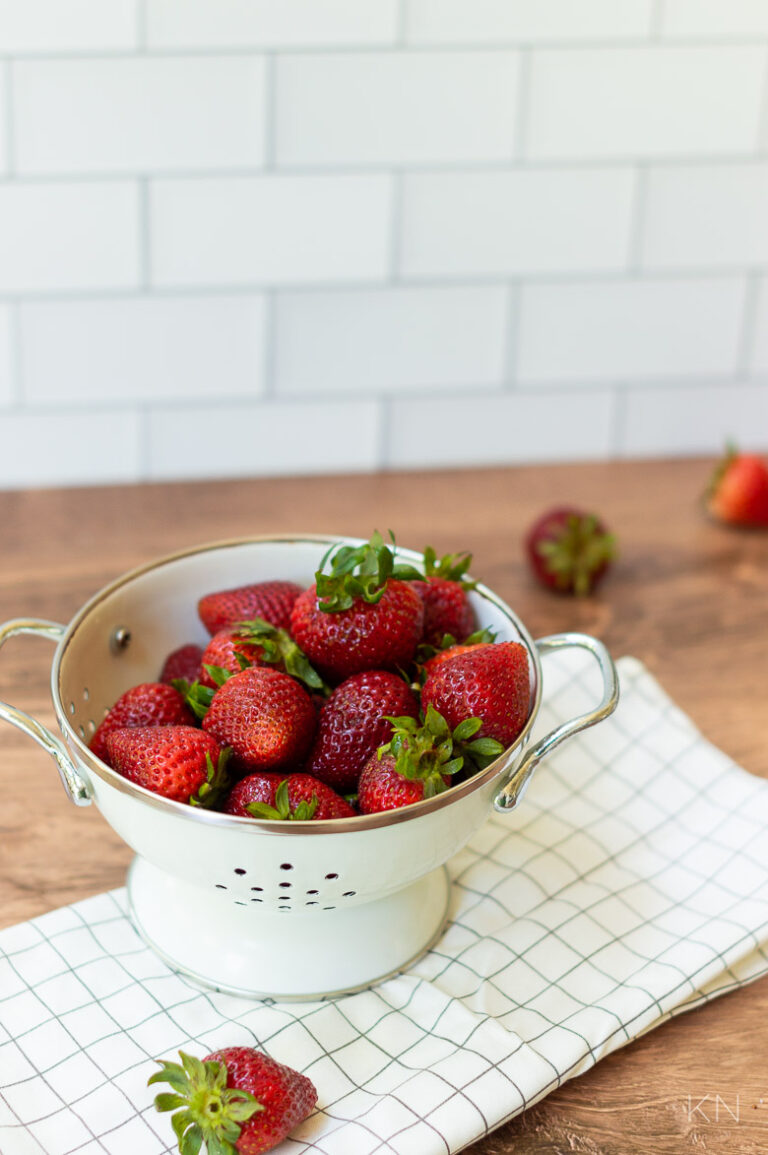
(239, 870)
(286, 884)
(286, 866)
(313, 892)
(257, 900)
(86, 693)
(348, 893)
(72, 707)
(259, 888)
(331, 876)
(220, 886)
(329, 908)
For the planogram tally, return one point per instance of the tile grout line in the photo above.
(145, 237)
(656, 24)
(270, 113)
(142, 26)
(269, 356)
(18, 390)
(512, 329)
(394, 275)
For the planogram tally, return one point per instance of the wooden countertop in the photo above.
(688, 597)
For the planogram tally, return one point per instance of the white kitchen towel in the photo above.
(631, 885)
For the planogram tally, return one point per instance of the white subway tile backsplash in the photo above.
(68, 236)
(675, 419)
(524, 221)
(706, 216)
(270, 230)
(67, 25)
(390, 339)
(518, 427)
(713, 18)
(628, 331)
(524, 21)
(138, 114)
(6, 356)
(5, 144)
(263, 439)
(395, 107)
(69, 448)
(127, 350)
(654, 101)
(758, 354)
(270, 23)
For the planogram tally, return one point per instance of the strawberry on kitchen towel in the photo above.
(630, 886)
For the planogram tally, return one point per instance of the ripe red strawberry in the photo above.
(420, 760)
(738, 490)
(272, 600)
(238, 1101)
(299, 797)
(364, 615)
(228, 650)
(353, 724)
(148, 704)
(569, 551)
(266, 717)
(490, 682)
(444, 594)
(182, 663)
(179, 762)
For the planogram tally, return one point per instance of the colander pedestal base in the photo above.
(284, 955)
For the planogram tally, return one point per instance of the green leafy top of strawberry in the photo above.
(579, 550)
(360, 571)
(424, 651)
(451, 566)
(282, 811)
(429, 750)
(217, 783)
(277, 646)
(206, 1110)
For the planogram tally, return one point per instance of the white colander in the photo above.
(260, 908)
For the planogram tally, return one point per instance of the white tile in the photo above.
(263, 440)
(4, 143)
(374, 108)
(390, 339)
(68, 236)
(276, 229)
(267, 23)
(644, 102)
(527, 221)
(67, 25)
(629, 330)
(139, 349)
(60, 448)
(6, 361)
(714, 18)
(515, 428)
(759, 352)
(680, 419)
(705, 216)
(516, 21)
(129, 113)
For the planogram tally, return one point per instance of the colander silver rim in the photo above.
(454, 794)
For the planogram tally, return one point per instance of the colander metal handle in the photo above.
(74, 783)
(508, 798)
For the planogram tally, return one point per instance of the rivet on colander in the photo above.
(120, 640)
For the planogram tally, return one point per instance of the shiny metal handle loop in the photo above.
(508, 798)
(74, 783)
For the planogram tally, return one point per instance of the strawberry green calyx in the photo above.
(452, 566)
(360, 572)
(430, 751)
(277, 646)
(197, 696)
(206, 1110)
(424, 651)
(577, 553)
(217, 783)
(282, 811)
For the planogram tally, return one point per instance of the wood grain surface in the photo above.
(688, 597)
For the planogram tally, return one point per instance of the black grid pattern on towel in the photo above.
(630, 886)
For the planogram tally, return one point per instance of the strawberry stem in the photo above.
(360, 573)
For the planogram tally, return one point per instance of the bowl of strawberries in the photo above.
(294, 734)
